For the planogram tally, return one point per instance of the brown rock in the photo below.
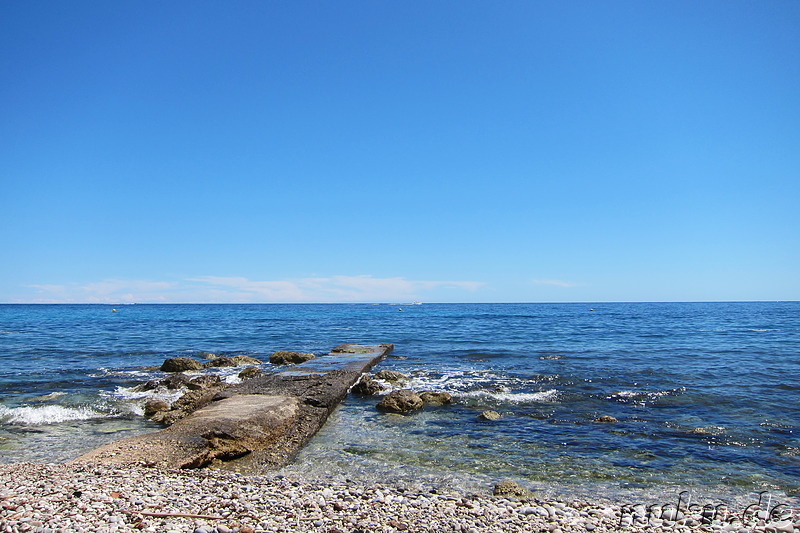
(392, 376)
(250, 372)
(180, 364)
(490, 415)
(511, 488)
(436, 398)
(606, 419)
(283, 357)
(154, 406)
(400, 401)
(218, 362)
(367, 386)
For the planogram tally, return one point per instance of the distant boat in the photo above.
(416, 303)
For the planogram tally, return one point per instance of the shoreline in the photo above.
(93, 497)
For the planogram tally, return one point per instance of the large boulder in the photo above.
(283, 357)
(180, 364)
(400, 401)
(436, 398)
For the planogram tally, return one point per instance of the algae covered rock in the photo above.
(180, 364)
(511, 488)
(490, 416)
(400, 401)
(283, 357)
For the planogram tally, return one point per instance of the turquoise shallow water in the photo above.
(706, 395)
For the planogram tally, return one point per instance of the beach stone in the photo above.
(180, 364)
(392, 376)
(490, 415)
(367, 386)
(151, 407)
(283, 357)
(508, 487)
(250, 372)
(400, 401)
(606, 419)
(436, 398)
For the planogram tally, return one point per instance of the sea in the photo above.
(706, 396)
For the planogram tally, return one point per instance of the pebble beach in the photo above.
(94, 498)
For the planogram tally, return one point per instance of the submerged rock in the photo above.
(400, 401)
(180, 364)
(606, 419)
(283, 357)
(436, 398)
(490, 415)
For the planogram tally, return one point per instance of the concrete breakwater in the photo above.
(261, 422)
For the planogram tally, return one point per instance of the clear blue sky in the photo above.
(254, 151)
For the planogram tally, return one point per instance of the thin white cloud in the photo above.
(554, 283)
(333, 289)
(222, 289)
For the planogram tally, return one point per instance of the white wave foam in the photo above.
(47, 414)
(513, 397)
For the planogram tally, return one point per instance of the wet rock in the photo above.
(203, 382)
(241, 360)
(219, 362)
(392, 376)
(400, 401)
(436, 398)
(180, 364)
(144, 387)
(283, 357)
(367, 386)
(490, 415)
(154, 406)
(175, 381)
(508, 487)
(250, 372)
(606, 419)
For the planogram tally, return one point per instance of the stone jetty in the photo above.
(261, 422)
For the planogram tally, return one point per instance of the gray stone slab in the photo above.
(260, 423)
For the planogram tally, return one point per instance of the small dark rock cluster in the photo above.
(398, 401)
(201, 389)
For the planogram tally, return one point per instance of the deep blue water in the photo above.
(707, 395)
